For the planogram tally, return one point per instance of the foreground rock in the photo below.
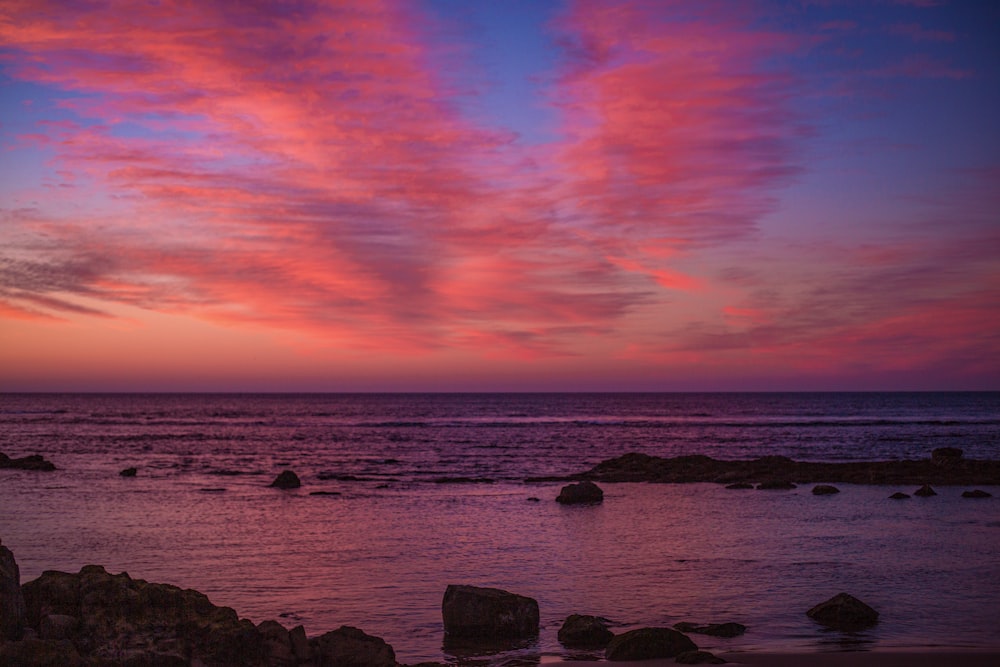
(713, 629)
(943, 469)
(699, 658)
(33, 462)
(286, 480)
(580, 631)
(12, 610)
(648, 644)
(844, 612)
(470, 612)
(350, 647)
(584, 493)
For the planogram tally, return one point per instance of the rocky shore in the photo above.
(946, 466)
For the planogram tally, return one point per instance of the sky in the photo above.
(443, 195)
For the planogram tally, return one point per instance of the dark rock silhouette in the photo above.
(740, 485)
(649, 643)
(129, 472)
(825, 490)
(899, 495)
(978, 493)
(729, 629)
(350, 647)
(584, 493)
(925, 491)
(581, 631)
(776, 485)
(286, 480)
(32, 462)
(698, 658)
(844, 612)
(637, 467)
(488, 613)
(13, 613)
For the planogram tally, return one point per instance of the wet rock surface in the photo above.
(583, 493)
(844, 612)
(943, 469)
(286, 480)
(472, 612)
(583, 631)
(12, 609)
(648, 644)
(699, 658)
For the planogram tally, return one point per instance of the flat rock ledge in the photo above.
(942, 470)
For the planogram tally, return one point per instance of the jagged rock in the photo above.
(350, 647)
(729, 629)
(277, 644)
(580, 631)
(13, 612)
(776, 485)
(825, 490)
(488, 613)
(300, 645)
(57, 626)
(740, 485)
(649, 643)
(580, 494)
(899, 495)
(286, 480)
(946, 455)
(698, 658)
(844, 612)
(925, 491)
(129, 472)
(135, 622)
(978, 493)
(32, 462)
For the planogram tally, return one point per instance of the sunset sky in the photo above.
(448, 195)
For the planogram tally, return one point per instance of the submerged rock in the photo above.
(729, 629)
(978, 493)
(13, 613)
(925, 491)
(581, 631)
(899, 495)
(649, 643)
(488, 613)
(32, 462)
(740, 485)
(286, 480)
(844, 612)
(350, 647)
(825, 490)
(583, 493)
(129, 472)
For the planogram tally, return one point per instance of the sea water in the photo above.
(423, 490)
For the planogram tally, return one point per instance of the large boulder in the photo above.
(844, 612)
(12, 608)
(584, 493)
(286, 480)
(580, 631)
(350, 647)
(649, 643)
(488, 613)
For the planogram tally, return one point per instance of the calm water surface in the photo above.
(380, 554)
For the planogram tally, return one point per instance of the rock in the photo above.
(300, 645)
(844, 612)
(350, 647)
(925, 491)
(978, 493)
(699, 658)
(533, 499)
(579, 494)
(286, 480)
(714, 629)
(132, 622)
(740, 485)
(277, 644)
(825, 490)
(13, 612)
(899, 495)
(129, 472)
(32, 462)
(579, 631)
(57, 626)
(775, 485)
(40, 653)
(946, 455)
(489, 613)
(649, 643)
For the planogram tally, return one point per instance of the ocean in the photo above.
(423, 490)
